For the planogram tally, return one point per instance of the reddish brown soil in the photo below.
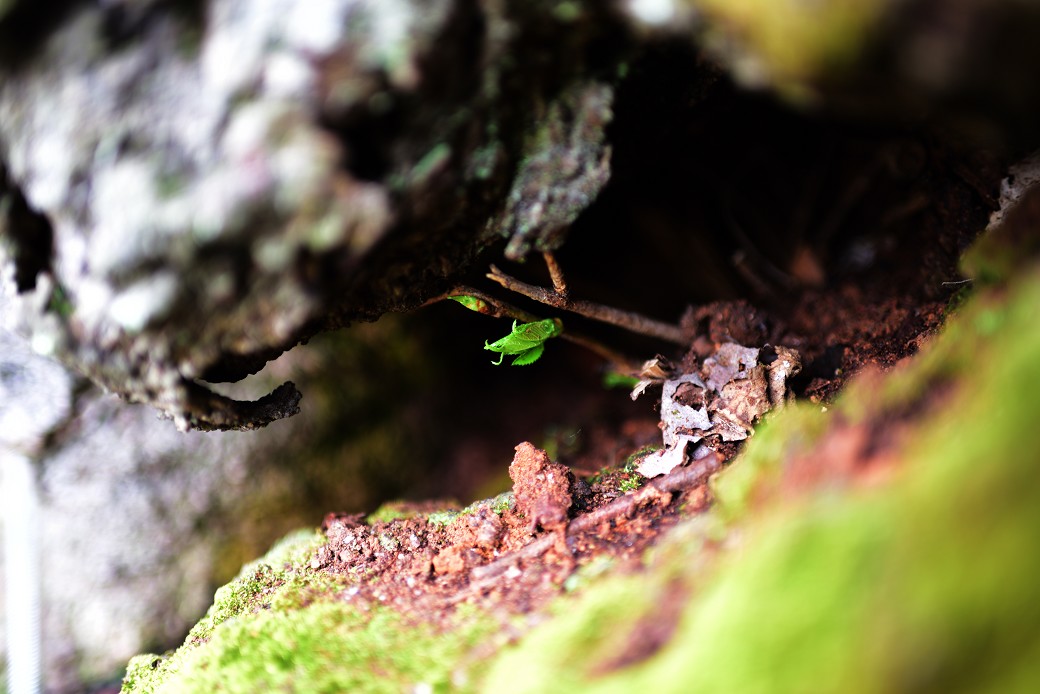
(588, 505)
(512, 557)
(513, 560)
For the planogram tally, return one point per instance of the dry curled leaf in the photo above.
(732, 391)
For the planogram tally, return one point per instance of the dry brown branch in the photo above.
(628, 320)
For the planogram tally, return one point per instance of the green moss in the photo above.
(630, 461)
(281, 627)
(327, 647)
(498, 504)
(502, 503)
(1002, 251)
(625, 478)
(575, 651)
(441, 518)
(257, 579)
(925, 583)
(391, 511)
(268, 580)
(588, 574)
(631, 483)
(388, 542)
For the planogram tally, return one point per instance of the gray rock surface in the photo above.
(189, 189)
(138, 523)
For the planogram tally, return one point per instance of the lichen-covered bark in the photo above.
(189, 189)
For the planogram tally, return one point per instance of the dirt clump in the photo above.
(510, 554)
(541, 488)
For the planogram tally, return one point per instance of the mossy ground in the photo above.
(904, 562)
(281, 627)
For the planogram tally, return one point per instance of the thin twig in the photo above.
(532, 549)
(556, 273)
(628, 320)
(681, 478)
(495, 307)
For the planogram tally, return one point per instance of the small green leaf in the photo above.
(530, 356)
(526, 341)
(472, 303)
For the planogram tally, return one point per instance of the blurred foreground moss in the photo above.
(790, 42)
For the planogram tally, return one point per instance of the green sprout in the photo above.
(526, 341)
(472, 303)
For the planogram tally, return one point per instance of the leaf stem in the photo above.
(556, 273)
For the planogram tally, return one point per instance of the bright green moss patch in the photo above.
(925, 583)
(501, 503)
(394, 510)
(498, 504)
(282, 627)
(326, 647)
(277, 578)
(441, 518)
(257, 581)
